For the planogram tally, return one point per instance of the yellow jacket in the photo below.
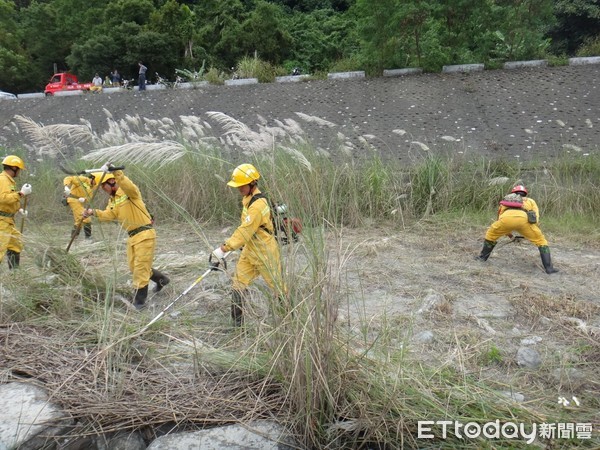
(10, 199)
(80, 187)
(529, 204)
(252, 232)
(126, 206)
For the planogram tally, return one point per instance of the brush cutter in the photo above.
(88, 171)
(85, 172)
(213, 265)
(24, 214)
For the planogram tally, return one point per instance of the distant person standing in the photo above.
(142, 78)
(115, 78)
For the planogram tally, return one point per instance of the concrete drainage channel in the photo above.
(458, 68)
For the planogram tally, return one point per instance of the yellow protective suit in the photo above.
(10, 202)
(80, 188)
(260, 253)
(128, 208)
(511, 219)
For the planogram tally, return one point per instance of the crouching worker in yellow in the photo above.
(513, 216)
(78, 192)
(126, 206)
(260, 253)
(11, 243)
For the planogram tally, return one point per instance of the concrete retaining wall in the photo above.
(291, 78)
(67, 93)
(523, 64)
(401, 72)
(584, 60)
(32, 95)
(241, 81)
(345, 75)
(463, 68)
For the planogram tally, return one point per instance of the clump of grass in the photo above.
(533, 307)
(254, 67)
(215, 76)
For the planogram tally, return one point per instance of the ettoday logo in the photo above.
(430, 429)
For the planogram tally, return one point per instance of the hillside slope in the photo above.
(526, 113)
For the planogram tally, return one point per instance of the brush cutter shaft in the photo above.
(170, 305)
(24, 215)
(110, 169)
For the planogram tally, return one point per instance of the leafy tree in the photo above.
(43, 40)
(264, 32)
(179, 21)
(15, 66)
(128, 11)
(218, 31)
(314, 5)
(158, 51)
(96, 55)
(521, 30)
(320, 38)
(576, 21)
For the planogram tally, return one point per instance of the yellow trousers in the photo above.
(266, 264)
(77, 209)
(515, 220)
(10, 237)
(140, 256)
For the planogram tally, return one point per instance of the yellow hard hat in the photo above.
(15, 161)
(102, 176)
(243, 174)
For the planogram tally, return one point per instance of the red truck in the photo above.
(65, 82)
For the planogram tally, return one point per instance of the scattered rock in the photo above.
(516, 396)
(27, 417)
(262, 435)
(531, 341)
(528, 358)
(431, 301)
(424, 337)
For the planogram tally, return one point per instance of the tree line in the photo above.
(315, 35)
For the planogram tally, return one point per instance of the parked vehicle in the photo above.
(7, 96)
(65, 82)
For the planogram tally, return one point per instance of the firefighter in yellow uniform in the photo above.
(11, 243)
(78, 192)
(127, 207)
(521, 214)
(255, 235)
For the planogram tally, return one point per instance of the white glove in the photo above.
(106, 167)
(218, 253)
(81, 200)
(26, 189)
(87, 213)
(67, 191)
(23, 212)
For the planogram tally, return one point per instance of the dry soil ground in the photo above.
(424, 284)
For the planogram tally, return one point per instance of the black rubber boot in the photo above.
(75, 232)
(488, 246)
(139, 301)
(87, 230)
(13, 259)
(160, 279)
(237, 308)
(547, 259)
